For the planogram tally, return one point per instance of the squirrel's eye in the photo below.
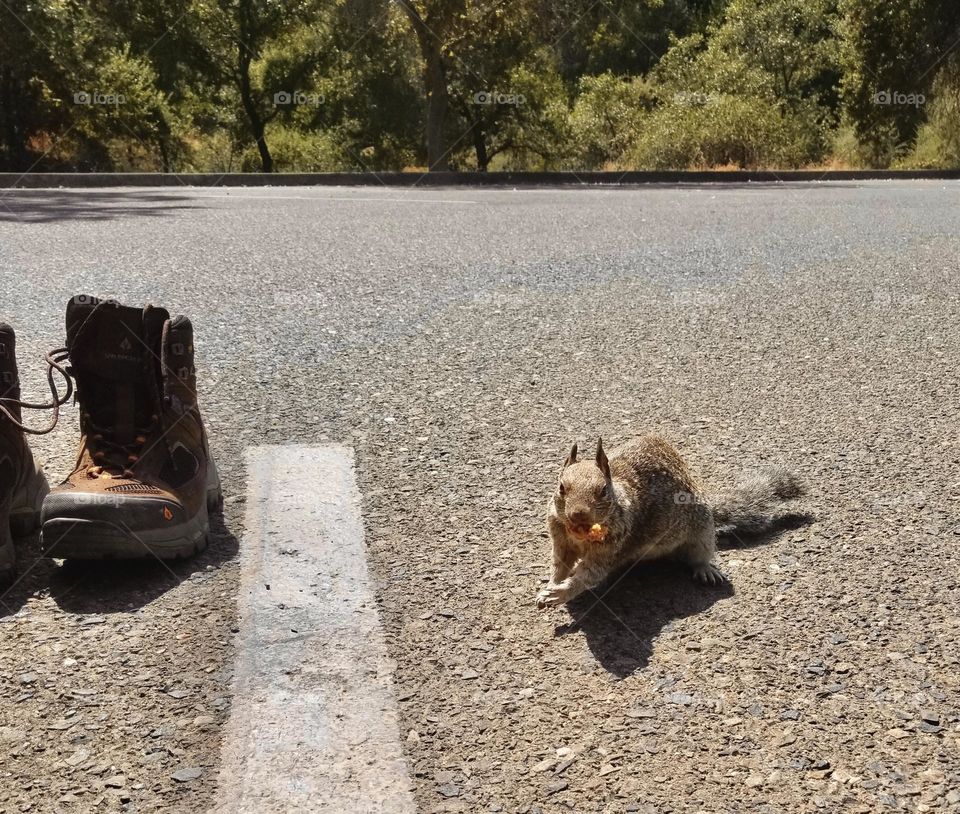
(562, 490)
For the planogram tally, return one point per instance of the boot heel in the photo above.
(25, 514)
(215, 500)
(8, 555)
(214, 490)
(24, 521)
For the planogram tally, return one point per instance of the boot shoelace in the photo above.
(54, 360)
(105, 451)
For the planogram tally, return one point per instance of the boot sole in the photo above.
(71, 538)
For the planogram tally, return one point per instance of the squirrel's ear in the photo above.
(602, 461)
(571, 459)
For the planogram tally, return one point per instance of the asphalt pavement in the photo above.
(457, 341)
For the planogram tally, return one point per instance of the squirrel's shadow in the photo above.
(621, 618)
(786, 521)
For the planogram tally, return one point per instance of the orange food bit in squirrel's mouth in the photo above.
(597, 533)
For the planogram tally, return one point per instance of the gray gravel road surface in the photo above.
(459, 341)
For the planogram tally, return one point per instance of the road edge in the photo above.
(94, 180)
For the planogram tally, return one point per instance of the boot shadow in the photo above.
(31, 577)
(621, 622)
(118, 586)
(108, 586)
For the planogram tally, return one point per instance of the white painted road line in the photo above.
(313, 725)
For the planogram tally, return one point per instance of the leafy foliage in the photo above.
(893, 48)
(606, 118)
(725, 131)
(284, 85)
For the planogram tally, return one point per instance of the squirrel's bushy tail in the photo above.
(748, 506)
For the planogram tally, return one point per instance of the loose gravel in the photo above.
(460, 348)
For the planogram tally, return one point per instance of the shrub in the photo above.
(938, 140)
(723, 130)
(294, 150)
(606, 118)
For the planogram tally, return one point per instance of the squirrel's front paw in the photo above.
(552, 595)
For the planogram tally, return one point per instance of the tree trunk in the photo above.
(435, 80)
(163, 143)
(13, 112)
(164, 147)
(435, 85)
(480, 146)
(266, 160)
(257, 123)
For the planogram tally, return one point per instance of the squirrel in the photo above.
(643, 504)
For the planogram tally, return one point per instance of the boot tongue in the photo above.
(113, 352)
(110, 340)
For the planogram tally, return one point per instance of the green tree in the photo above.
(893, 47)
(73, 90)
(369, 117)
(31, 82)
(621, 37)
(234, 43)
(773, 63)
(504, 90)
(523, 123)
(468, 49)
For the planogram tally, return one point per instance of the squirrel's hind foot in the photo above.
(709, 574)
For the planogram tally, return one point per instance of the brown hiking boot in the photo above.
(144, 480)
(22, 483)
